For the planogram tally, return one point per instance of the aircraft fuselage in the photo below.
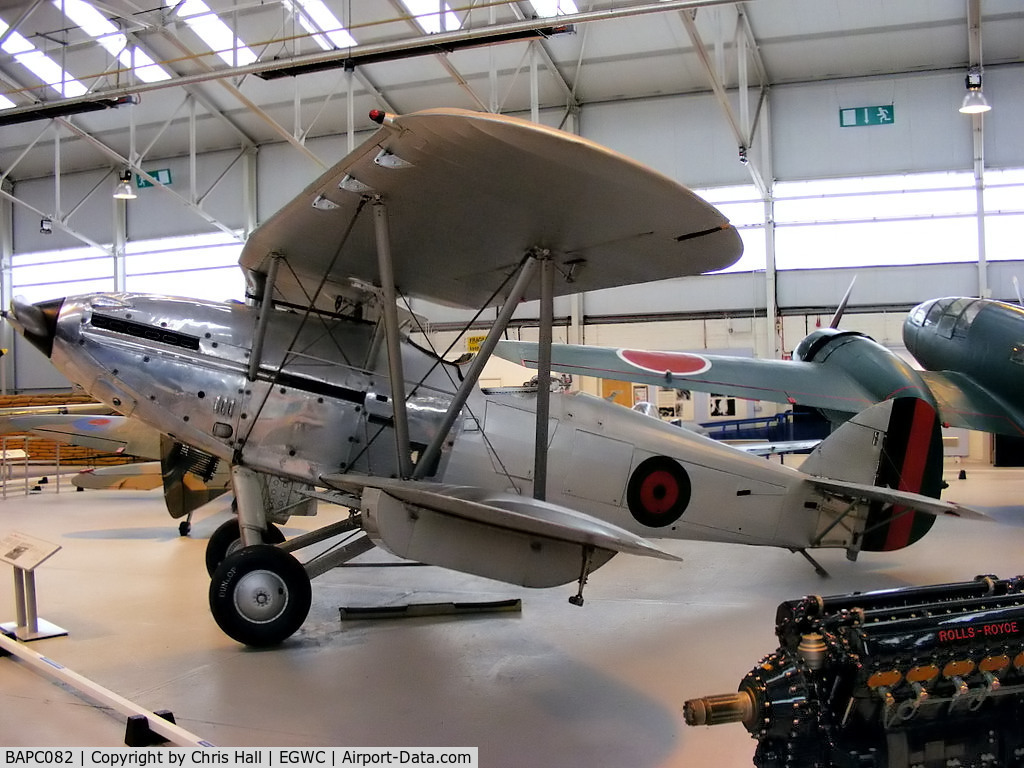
(977, 338)
(324, 408)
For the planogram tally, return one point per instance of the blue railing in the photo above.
(788, 425)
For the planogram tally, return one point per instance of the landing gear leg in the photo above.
(252, 516)
(818, 569)
(588, 553)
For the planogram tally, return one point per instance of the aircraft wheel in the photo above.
(226, 539)
(184, 528)
(260, 595)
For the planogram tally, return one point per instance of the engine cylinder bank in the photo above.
(900, 678)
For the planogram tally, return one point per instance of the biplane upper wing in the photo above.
(467, 195)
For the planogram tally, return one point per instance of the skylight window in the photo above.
(214, 32)
(41, 65)
(97, 26)
(428, 17)
(546, 8)
(317, 19)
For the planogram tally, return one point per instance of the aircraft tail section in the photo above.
(911, 461)
(896, 444)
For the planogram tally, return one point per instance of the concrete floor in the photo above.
(601, 685)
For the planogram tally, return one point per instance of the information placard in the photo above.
(25, 552)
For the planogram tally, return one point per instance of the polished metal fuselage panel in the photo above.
(320, 405)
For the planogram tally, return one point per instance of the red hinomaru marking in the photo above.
(680, 363)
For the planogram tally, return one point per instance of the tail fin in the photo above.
(894, 444)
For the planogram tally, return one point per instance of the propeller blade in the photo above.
(842, 305)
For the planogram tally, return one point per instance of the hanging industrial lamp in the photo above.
(123, 190)
(974, 100)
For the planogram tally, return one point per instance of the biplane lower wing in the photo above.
(503, 536)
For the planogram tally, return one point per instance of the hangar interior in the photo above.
(829, 134)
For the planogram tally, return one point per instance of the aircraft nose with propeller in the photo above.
(313, 392)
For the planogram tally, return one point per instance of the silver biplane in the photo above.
(311, 391)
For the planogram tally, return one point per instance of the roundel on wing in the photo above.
(658, 492)
(679, 363)
(91, 422)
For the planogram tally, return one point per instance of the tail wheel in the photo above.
(227, 539)
(260, 595)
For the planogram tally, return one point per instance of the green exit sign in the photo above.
(163, 175)
(861, 116)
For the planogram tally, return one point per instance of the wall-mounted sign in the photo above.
(163, 175)
(855, 117)
(473, 343)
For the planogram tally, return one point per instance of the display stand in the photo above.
(25, 554)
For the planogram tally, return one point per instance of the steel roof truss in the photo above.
(115, 155)
(63, 225)
(248, 103)
(742, 138)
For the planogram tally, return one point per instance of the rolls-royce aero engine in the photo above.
(920, 677)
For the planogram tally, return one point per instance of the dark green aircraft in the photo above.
(972, 351)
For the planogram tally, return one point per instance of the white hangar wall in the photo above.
(154, 213)
(688, 138)
(927, 133)
(685, 137)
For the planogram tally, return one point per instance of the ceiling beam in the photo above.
(249, 104)
(374, 91)
(439, 39)
(743, 140)
(548, 62)
(20, 20)
(54, 220)
(197, 93)
(442, 58)
(119, 158)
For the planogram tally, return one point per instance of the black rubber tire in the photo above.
(184, 528)
(260, 595)
(226, 539)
